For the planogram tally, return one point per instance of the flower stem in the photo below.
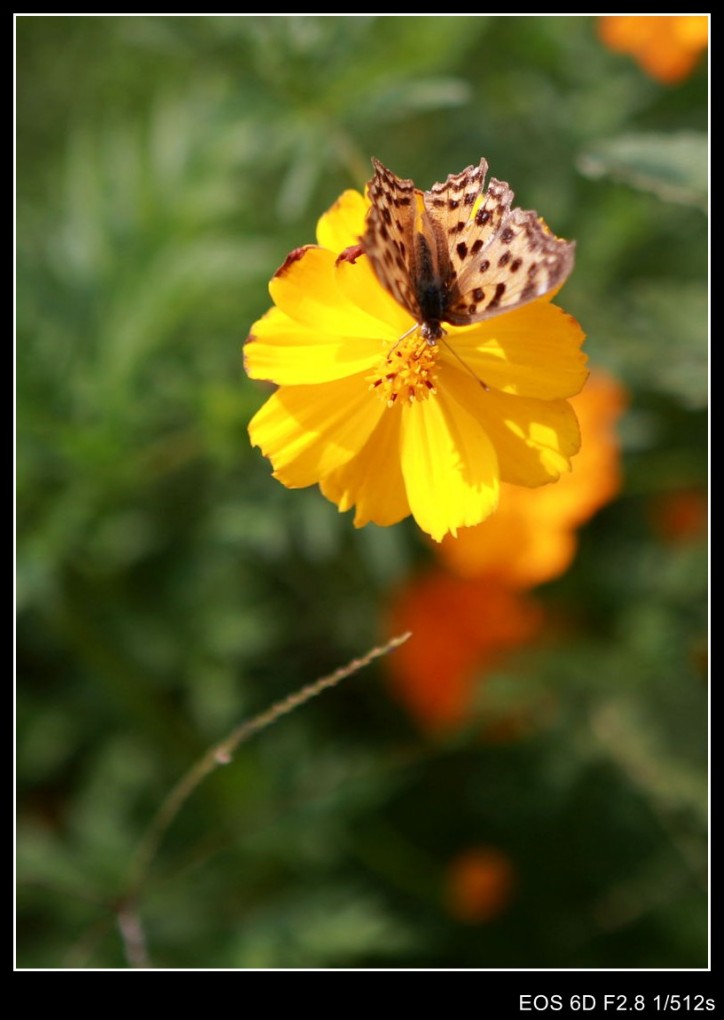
(222, 753)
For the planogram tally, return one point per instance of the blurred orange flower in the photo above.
(532, 539)
(479, 885)
(466, 618)
(667, 46)
(460, 626)
(679, 517)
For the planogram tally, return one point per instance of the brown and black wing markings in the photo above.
(522, 261)
(459, 253)
(389, 237)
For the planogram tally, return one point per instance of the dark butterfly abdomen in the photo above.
(431, 292)
(432, 302)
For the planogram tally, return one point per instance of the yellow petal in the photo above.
(372, 479)
(309, 431)
(531, 537)
(449, 465)
(521, 545)
(344, 223)
(532, 352)
(533, 439)
(306, 289)
(362, 288)
(596, 475)
(285, 352)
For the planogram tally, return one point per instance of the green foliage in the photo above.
(673, 167)
(168, 587)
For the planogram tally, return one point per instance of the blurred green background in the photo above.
(168, 587)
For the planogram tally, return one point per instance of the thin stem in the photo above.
(132, 936)
(221, 754)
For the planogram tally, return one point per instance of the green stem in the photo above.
(222, 753)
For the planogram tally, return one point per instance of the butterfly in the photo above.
(458, 253)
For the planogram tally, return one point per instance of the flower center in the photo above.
(407, 371)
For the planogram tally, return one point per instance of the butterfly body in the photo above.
(430, 291)
(458, 253)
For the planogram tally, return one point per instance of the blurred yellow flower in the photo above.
(533, 539)
(439, 452)
(667, 46)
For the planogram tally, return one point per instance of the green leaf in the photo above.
(673, 166)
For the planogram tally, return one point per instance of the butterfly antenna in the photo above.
(401, 338)
(465, 365)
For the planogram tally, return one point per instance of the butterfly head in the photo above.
(431, 331)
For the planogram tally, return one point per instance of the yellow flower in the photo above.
(532, 537)
(667, 46)
(399, 427)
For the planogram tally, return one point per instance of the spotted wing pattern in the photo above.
(521, 261)
(467, 215)
(389, 237)
(487, 258)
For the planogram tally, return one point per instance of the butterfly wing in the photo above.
(500, 258)
(461, 241)
(465, 217)
(389, 238)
